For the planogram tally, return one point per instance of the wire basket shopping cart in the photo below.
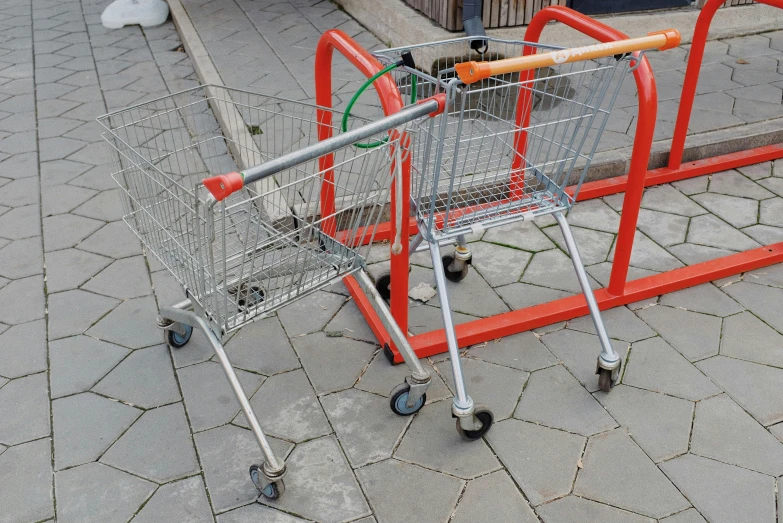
(522, 123)
(244, 245)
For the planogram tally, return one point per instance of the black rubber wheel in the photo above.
(383, 285)
(177, 340)
(454, 276)
(399, 398)
(485, 417)
(605, 380)
(272, 490)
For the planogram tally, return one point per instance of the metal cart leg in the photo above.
(267, 477)
(410, 396)
(456, 265)
(609, 362)
(473, 421)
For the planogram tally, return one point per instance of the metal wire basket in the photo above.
(267, 244)
(507, 146)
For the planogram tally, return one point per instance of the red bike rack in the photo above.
(620, 291)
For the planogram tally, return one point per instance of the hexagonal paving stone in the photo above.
(659, 424)
(579, 353)
(694, 335)
(770, 212)
(114, 240)
(428, 495)
(22, 301)
(381, 377)
(87, 425)
(711, 231)
(332, 363)
(605, 477)
(665, 198)
(208, 395)
(26, 484)
(144, 378)
(183, 500)
(132, 324)
(542, 461)
(574, 509)
(226, 455)
(310, 315)
(723, 493)
(718, 426)
(321, 484)
(654, 365)
(748, 338)
(255, 512)
(521, 295)
(733, 183)
(687, 516)
(21, 258)
(488, 384)
(554, 398)
(286, 406)
(59, 199)
(646, 254)
(664, 228)
(757, 388)
(523, 235)
(78, 362)
(69, 268)
(21, 222)
(123, 279)
(97, 493)
(157, 447)
(72, 312)
(739, 212)
(432, 442)
(765, 302)
(473, 295)
(23, 349)
(365, 425)
(555, 270)
(61, 232)
(498, 265)
(594, 246)
(24, 409)
(523, 351)
(493, 497)
(704, 298)
(620, 323)
(263, 347)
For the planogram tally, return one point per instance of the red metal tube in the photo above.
(695, 57)
(645, 127)
(391, 102)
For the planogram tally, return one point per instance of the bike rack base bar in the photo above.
(521, 320)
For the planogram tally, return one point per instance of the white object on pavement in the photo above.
(422, 292)
(146, 13)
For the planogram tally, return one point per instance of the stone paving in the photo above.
(103, 423)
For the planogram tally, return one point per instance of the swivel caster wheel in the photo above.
(177, 340)
(269, 490)
(484, 415)
(605, 380)
(454, 276)
(399, 401)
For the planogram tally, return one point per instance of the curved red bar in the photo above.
(645, 127)
(391, 102)
(692, 76)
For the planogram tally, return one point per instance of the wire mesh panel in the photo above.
(271, 242)
(507, 146)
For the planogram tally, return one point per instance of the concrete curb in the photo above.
(604, 165)
(397, 24)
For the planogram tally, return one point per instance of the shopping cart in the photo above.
(522, 123)
(244, 245)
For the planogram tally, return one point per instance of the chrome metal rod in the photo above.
(191, 318)
(329, 145)
(462, 400)
(608, 354)
(398, 337)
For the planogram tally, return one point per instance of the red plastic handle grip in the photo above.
(222, 186)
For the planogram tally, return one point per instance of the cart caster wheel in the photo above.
(177, 340)
(454, 276)
(272, 490)
(383, 285)
(486, 418)
(399, 399)
(605, 380)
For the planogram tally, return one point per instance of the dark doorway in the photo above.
(592, 7)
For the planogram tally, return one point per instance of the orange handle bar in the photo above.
(470, 72)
